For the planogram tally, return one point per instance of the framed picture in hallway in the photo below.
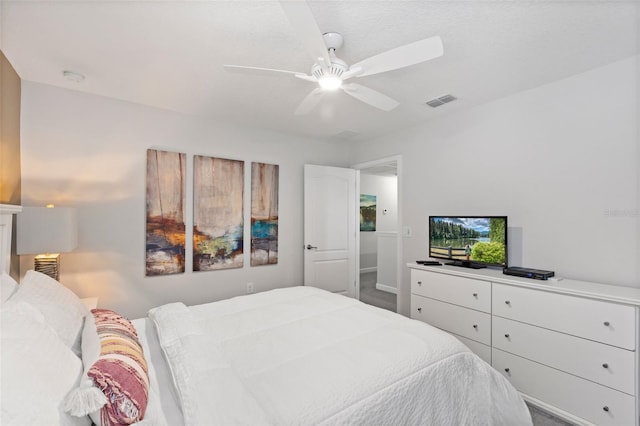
(367, 212)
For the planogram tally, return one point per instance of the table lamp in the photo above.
(47, 232)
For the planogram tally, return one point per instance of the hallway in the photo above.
(370, 295)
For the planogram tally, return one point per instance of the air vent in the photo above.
(444, 99)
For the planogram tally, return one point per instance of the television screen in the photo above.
(472, 241)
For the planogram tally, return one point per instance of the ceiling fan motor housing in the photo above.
(335, 69)
(337, 66)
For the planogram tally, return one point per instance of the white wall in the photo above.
(387, 278)
(385, 190)
(560, 160)
(90, 152)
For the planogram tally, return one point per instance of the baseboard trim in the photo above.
(371, 269)
(387, 288)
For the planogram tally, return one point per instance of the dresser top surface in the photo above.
(613, 293)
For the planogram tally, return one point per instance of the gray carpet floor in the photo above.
(372, 296)
(542, 418)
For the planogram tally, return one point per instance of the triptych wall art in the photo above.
(264, 214)
(218, 213)
(165, 248)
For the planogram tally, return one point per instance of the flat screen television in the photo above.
(469, 241)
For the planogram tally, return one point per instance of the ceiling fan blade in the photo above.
(310, 101)
(304, 24)
(256, 70)
(370, 96)
(306, 77)
(351, 72)
(241, 69)
(403, 56)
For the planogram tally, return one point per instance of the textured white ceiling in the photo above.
(170, 54)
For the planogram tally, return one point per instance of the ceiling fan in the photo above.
(330, 72)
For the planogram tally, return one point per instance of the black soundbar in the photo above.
(536, 274)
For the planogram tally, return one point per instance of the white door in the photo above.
(330, 217)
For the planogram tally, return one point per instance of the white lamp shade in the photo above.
(46, 230)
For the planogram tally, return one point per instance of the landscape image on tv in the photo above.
(471, 239)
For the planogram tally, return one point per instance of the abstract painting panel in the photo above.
(165, 239)
(264, 214)
(367, 212)
(218, 213)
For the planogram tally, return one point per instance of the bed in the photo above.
(297, 355)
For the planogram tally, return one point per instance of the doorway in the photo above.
(379, 239)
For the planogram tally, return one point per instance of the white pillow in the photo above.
(37, 370)
(61, 308)
(7, 287)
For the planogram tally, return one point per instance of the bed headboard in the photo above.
(6, 219)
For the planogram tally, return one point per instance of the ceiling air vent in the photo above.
(444, 99)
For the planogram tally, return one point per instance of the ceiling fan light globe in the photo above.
(330, 83)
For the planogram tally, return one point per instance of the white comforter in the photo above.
(305, 356)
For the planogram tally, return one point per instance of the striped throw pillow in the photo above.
(120, 371)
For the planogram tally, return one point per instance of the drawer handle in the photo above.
(475, 294)
(506, 335)
(475, 326)
(606, 323)
(420, 310)
(605, 365)
(605, 408)
(419, 282)
(507, 302)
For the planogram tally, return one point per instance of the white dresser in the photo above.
(570, 347)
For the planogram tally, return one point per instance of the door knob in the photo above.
(309, 247)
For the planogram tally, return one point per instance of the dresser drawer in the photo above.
(601, 321)
(607, 365)
(467, 292)
(583, 398)
(467, 323)
(482, 350)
